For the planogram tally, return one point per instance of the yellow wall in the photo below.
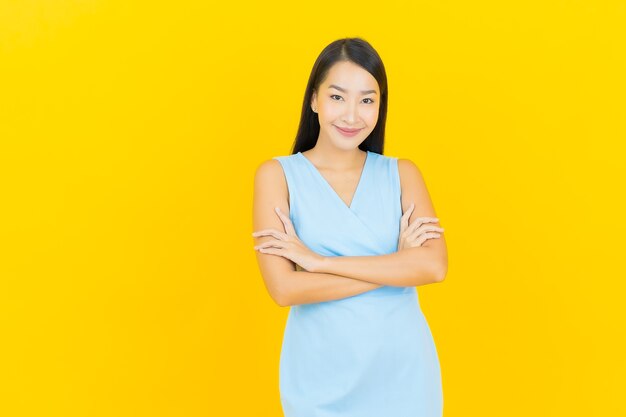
(130, 132)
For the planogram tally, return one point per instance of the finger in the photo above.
(404, 221)
(423, 229)
(420, 221)
(423, 238)
(415, 236)
(258, 232)
(271, 232)
(268, 232)
(289, 229)
(409, 209)
(271, 251)
(426, 219)
(271, 244)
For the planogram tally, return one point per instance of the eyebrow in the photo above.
(343, 90)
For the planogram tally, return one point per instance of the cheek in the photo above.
(329, 110)
(371, 115)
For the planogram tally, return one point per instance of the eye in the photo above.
(334, 95)
(371, 101)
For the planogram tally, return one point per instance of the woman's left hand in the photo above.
(288, 245)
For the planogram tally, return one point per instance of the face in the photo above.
(348, 98)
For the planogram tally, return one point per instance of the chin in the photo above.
(348, 144)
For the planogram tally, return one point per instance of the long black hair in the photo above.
(359, 52)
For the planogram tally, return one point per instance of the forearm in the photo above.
(406, 268)
(303, 287)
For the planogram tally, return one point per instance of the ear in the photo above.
(314, 101)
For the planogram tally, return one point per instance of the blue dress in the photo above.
(368, 355)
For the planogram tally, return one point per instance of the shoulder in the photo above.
(408, 170)
(270, 171)
(407, 165)
(381, 159)
(269, 167)
(270, 187)
(414, 190)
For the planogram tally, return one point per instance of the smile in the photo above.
(348, 132)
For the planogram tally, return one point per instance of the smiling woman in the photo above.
(344, 235)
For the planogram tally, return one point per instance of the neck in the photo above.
(336, 159)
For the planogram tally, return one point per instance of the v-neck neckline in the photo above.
(332, 190)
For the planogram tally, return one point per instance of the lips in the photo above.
(347, 130)
(349, 133)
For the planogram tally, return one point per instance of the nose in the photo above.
(351, 114)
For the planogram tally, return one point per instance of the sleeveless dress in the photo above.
(368, 355)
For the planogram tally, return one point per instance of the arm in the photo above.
(411, 266)
(290, 287)
(303, 287)
(285, 285)
(407, 268)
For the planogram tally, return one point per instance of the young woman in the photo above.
(333, 243)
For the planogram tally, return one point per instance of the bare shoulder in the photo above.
(414, 190)
(270, 169)
(270, 191)
(408, 168)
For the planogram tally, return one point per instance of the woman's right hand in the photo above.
(417, 232)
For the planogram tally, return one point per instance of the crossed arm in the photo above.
(409, 267)
(345, 276)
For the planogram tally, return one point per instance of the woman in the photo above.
(333, 243)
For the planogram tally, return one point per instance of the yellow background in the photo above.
(130, 133)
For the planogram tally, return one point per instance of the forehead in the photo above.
(350, 76)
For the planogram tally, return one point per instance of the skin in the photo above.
(422, 255)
